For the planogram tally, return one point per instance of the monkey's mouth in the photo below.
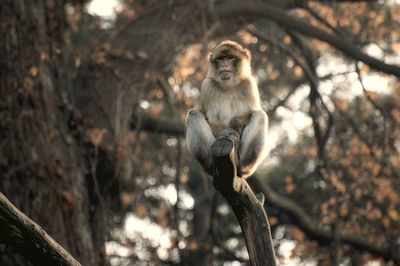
(225, 74)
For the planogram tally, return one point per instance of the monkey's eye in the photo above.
(226, 57)
(232, 58)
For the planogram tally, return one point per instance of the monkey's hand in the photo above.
(222, 131)
(238, 123)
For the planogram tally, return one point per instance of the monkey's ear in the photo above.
(210, 57)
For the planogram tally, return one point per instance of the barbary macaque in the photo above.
(229, 106)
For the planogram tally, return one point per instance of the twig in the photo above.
(310, 10)
(93, 169)
(331, 75)
(370, 100)
(385, 117)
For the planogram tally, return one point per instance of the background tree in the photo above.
(43, 169)
(92, 145)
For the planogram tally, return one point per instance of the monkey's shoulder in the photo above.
(248, 90)
(248, 81)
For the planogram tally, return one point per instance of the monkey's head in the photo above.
(229, 64)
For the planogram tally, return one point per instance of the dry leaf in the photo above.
(125, 198)
(69, 199)
(298, 71)
(34, 155)
(141, 211)
(297, 234)
(287, 40)
(44, 56)
(142, 55)
(341, 104)
(95, 135)
(28, 85)
(34, 71)
(290, 186)
(393, 214)
(273, 220)
(290, 151)
(344, 210)
(193, 245)
(100, 58)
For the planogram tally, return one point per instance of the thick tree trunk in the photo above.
(42, 170)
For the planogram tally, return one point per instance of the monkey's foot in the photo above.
(238, 183)
(222, 147)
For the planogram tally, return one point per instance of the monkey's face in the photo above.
(225, 66)
(229, 64)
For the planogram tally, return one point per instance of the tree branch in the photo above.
(236, 8)
(247, 208)
(317, 16)
(20, 232)
(143, 121)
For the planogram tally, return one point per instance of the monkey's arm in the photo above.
(206, 91)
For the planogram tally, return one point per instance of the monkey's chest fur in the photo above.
(227, 104)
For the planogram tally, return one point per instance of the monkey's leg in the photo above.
(199, 138)
(253, 143)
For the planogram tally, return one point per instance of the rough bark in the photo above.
(248, 209)
(29, 238)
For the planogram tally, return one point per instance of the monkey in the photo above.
(229, 106)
